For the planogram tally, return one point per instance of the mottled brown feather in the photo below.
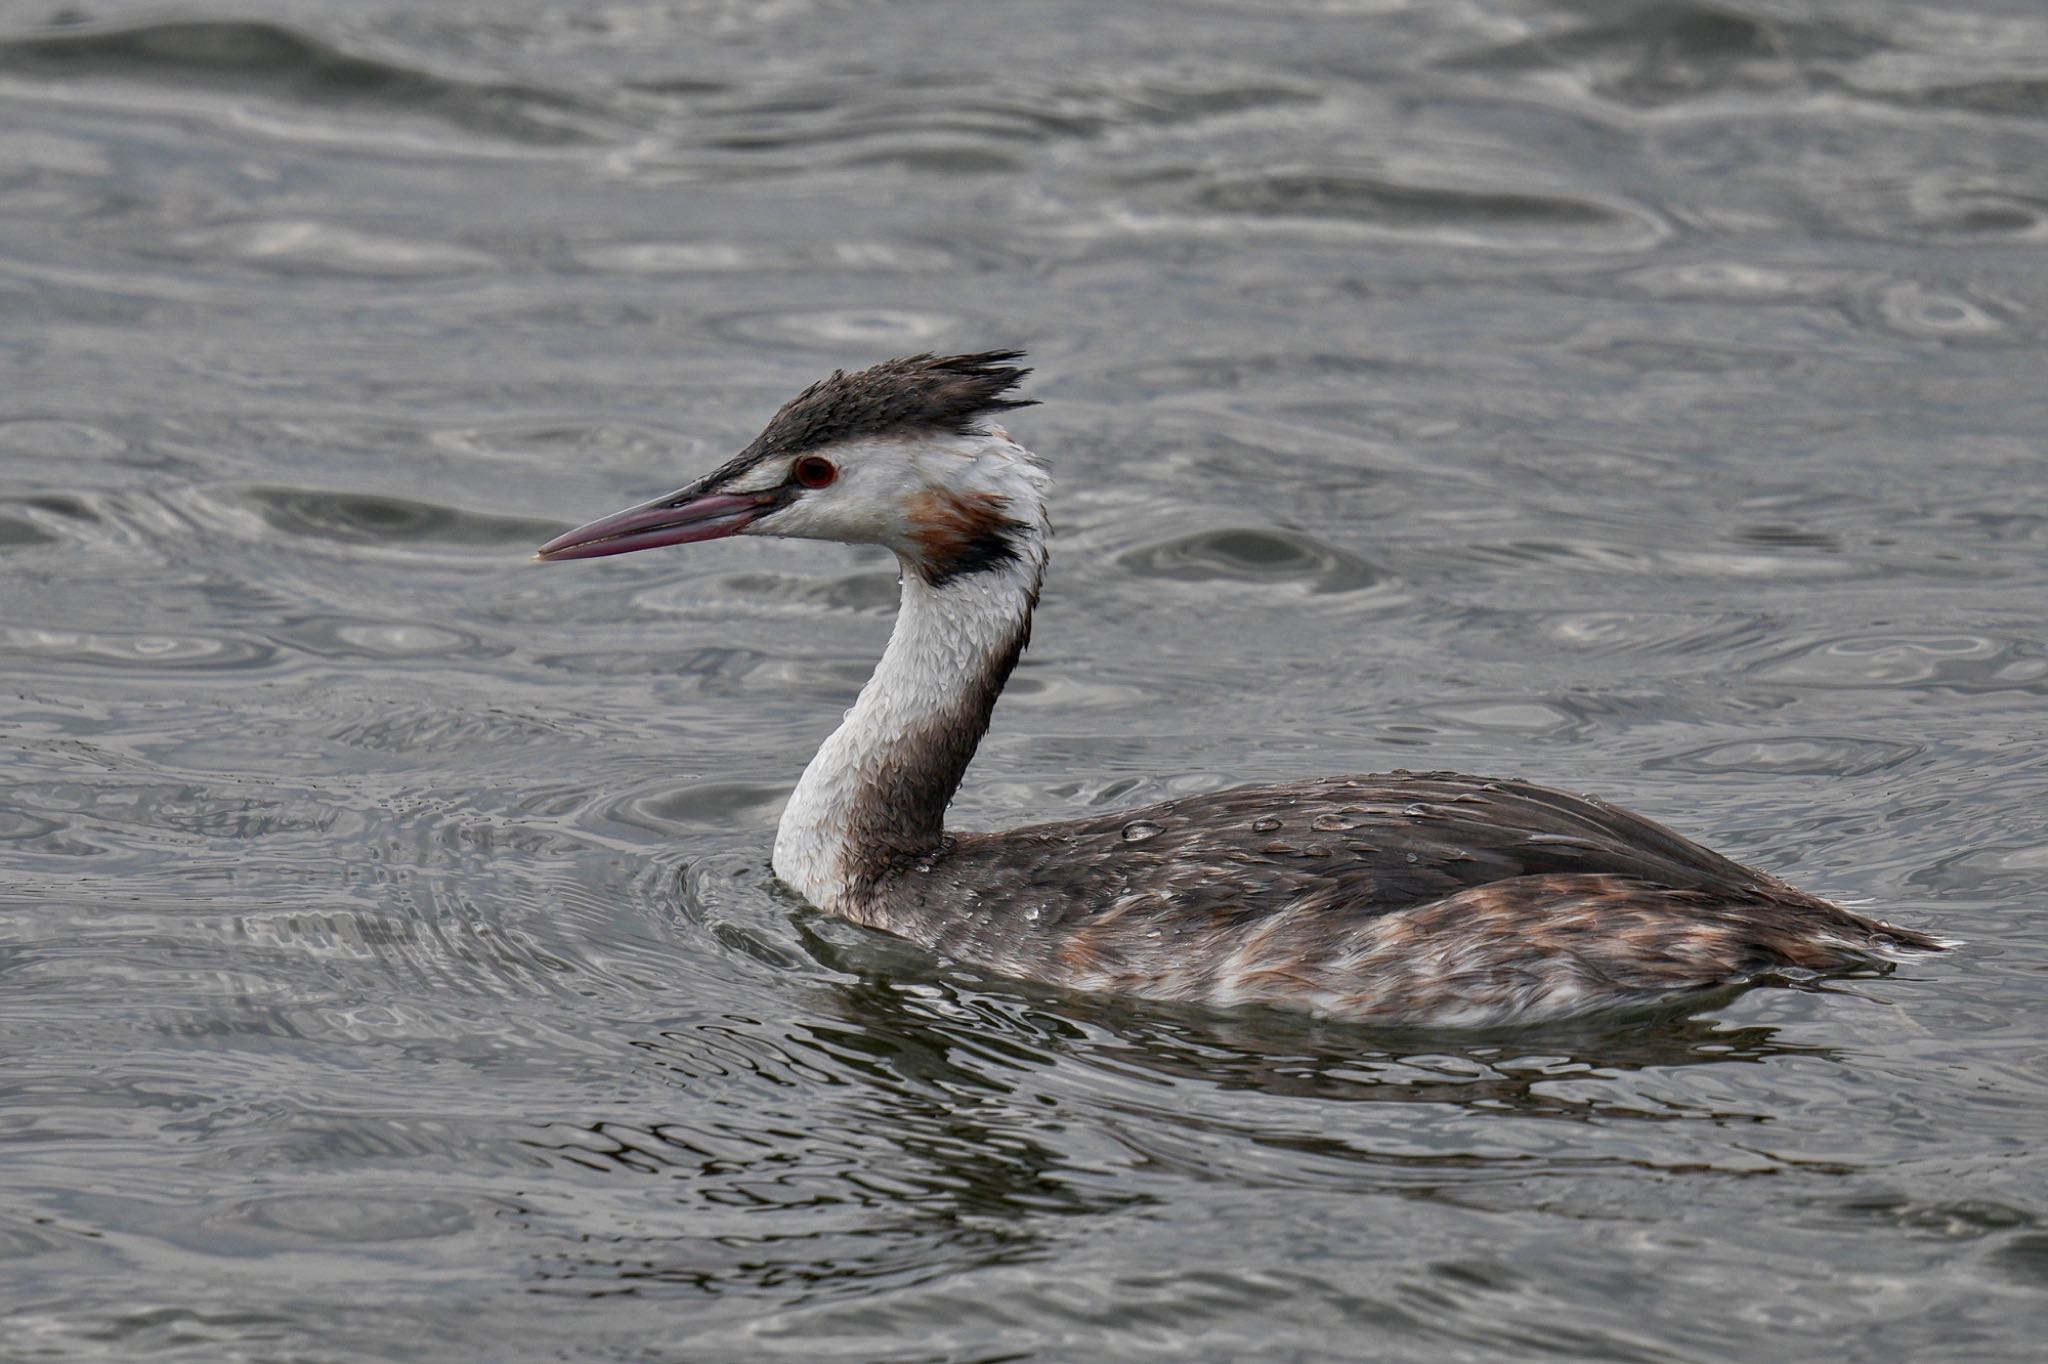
(1405, 896)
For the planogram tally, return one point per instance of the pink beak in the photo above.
(678, 519)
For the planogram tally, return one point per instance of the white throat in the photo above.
(872, 799)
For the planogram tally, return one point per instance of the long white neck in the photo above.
(873, 800)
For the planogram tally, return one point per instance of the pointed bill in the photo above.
(680, 518)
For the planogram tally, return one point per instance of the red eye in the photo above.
(815, 471)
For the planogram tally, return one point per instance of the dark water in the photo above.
(1646, 397)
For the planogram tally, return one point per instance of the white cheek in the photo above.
(858, 509)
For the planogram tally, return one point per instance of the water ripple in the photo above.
(370, 518)
(943, 124)
(273, 62)
(1677, 50)
(1259, 555)
(1961, 662)
(1811, 755)
(297, 246)
(140, 651)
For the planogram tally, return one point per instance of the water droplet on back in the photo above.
(1331, 824)
(1138, 830)
(1266, 825)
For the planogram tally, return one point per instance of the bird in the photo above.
(1400, 898)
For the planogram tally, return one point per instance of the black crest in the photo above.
(912, 395)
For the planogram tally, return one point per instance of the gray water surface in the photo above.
(1647, 398)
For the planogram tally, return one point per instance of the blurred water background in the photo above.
(1645, 396)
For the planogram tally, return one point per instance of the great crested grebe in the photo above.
(1399, 898)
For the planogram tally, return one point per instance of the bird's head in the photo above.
(905, 454)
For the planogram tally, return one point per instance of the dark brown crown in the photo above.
(917, 394)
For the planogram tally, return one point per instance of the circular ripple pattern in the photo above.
(1646, 399)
